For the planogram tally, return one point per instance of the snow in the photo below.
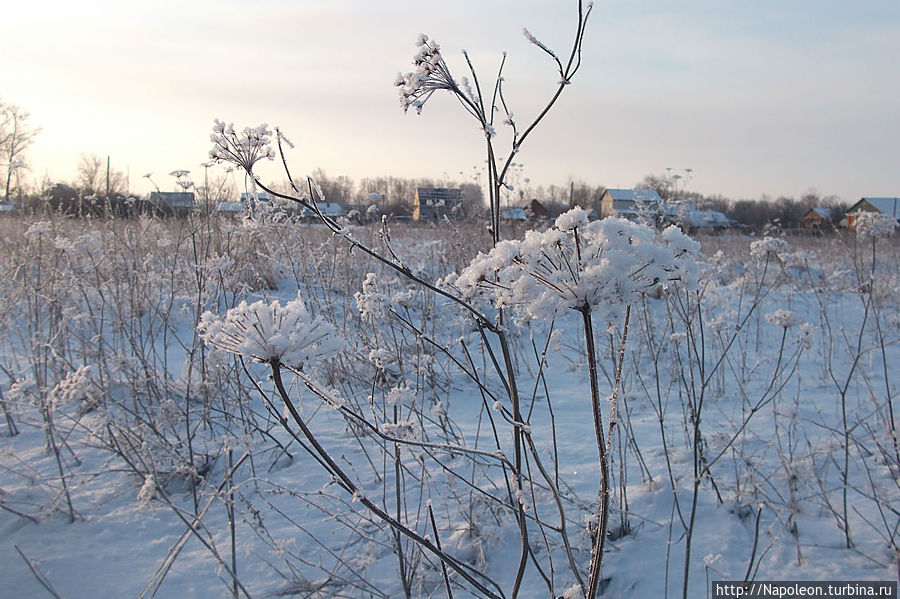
(100, 356)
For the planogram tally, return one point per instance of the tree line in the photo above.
(99, 187)
(759, 214)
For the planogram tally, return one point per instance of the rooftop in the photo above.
(635, 195)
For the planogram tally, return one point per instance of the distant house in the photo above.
(889, 206)
(168, 202)
(63, 197)
(630, 203)
(231, 207)
(262, 196)
(536, 210)
(694, 219)
(373, 197)
(513, 213)
(435, 203)
(244, 204)
(817, 220)
(330, 209)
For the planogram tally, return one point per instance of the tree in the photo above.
(94, 177)
(16, 134)
(473, 199)
(336, 189)
(657, 183)
(90, 173)
(582, 194)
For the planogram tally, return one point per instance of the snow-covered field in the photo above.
(755, 435)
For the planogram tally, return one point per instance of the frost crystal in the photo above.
(242, 149)
(784, 318)
(39, 228)
(573, 219)
(370, 302)
(573, 592)
(768, 246)
(875, 224)
(431, 75)
(579, 265)
(806, 335)
(712, 559)
(270, 332)
(74, 386)
(404, 429)
(528, 35)
(147, 492)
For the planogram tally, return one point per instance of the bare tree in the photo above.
(336, 189)
(116, 183)
(90, 173)
(95, 177)
(16, 134)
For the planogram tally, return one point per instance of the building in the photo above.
(373, 198)
(536, 210)
(172, 202)
(262, 196)
(231, 208)
(513, 213)
(694, 219)
(330, 209)
(889, 206)
(630, 203)
(817, 220)
(435, 203)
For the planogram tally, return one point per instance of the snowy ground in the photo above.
(116, 485)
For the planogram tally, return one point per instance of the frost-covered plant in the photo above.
(272, 333)
(286, 339)
(768, 247)
(576, 266)
(875, 224)
(370, 301)
(584, 266)
(784, 318)
(433, 75)
(701, 343)
(244, 148)
(579, 265)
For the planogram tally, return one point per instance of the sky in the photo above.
(756, 98)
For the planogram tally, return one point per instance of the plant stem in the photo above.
(348, 484)
(597, 530)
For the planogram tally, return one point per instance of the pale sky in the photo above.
(770, 97)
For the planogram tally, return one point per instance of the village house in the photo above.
(435, 203)
(817, 220)
(691, 218)
(262, 196)
(513, 213)
(889, 206)
(630, 203)
(535, 210)
(173, 202)
(646, 204)
(329, 209)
